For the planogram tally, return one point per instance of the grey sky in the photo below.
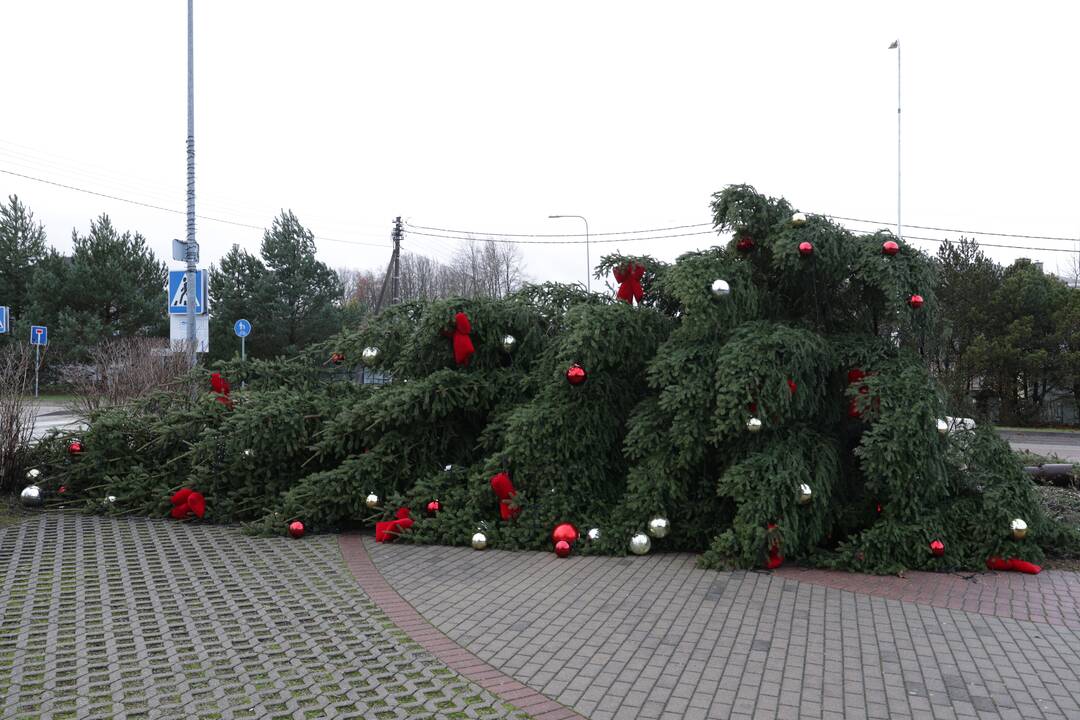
(492, 116)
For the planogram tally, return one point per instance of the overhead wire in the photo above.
(173, 210)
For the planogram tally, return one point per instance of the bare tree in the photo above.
(17, 411)
(478, 268)
(123, 369)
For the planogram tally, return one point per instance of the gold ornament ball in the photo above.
(508, 343)
(798, 218)
(370, 354)
(479, 541)
(33, 474)
(640, 544)
(372, 500)
(805, 494)
(659, 527)
(593, 534)
(721, 288)
(753, 425)
(1019, 529)
(942, 427)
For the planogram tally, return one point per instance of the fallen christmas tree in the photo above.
(760, 401)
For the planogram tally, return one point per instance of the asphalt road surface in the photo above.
(1066, 445)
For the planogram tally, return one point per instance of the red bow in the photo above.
(221, 386)
(463, 347)
(186, 500)
(775, 558)
(504, 490)
(996, 563)
(629, 279)
(387, 530)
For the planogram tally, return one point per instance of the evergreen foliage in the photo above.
(825, 350)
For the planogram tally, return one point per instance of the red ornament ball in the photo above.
(75, 447)
(744, 244)
(806, 249)
(565, 532)
(433, 508)
(62, 489)
(337, 358)
(576, 375)
(937, 548)
(562, 548)
(915, 301)
(296, 529)
(890, 247)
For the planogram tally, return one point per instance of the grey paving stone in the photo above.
(124, 618)
(744, 642)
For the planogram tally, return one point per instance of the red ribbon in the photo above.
(387, 530)
(504, 490)
(463, 347)
(186, 500)
(629, 279)
(1013, 565)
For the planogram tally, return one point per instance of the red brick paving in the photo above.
(1052, 596)
(446, 650)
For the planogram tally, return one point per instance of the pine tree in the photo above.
(769, 397)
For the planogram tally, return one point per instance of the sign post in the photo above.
(242, 328)
(5, 319)
(39, 335)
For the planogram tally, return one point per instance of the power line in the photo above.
(564, 242)
(969, 232)
(557, 235)
(171, 210)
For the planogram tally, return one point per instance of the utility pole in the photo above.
(398, 234)
(192, 248)
(393, 270)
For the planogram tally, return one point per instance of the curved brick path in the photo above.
(126, 618)
(656, 637)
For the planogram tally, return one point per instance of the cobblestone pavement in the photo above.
(123, 618)
(656, 637)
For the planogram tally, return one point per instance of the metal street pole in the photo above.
(588, 261)
(37, 366)
(192, 247)
(896, 46)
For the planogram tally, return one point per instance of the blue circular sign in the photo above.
(242, 328)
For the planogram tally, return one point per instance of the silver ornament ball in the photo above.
(659, 527)
(479, 541)
(721, 288)
(805, 494)
(640, 544)
(1019, 529)
(33, 474)
(370, 354)
(32, 496)
(798, 218)
(753, 425)
(509, 341)
(248, 452)
(448, 468)
(942, 427)
(110, 499)
(372, 500)
(593, 534)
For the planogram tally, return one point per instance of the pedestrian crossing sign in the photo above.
(178, 292)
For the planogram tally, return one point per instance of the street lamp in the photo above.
(896, 46)
(588, 262)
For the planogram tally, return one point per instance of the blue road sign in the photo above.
(39, 335)
(242, 328)
(178, 292)
(5, 315)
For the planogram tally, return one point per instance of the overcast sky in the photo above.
(490, 116)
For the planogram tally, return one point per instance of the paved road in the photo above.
(124, 618)
(656, 637)
(1066, 445)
